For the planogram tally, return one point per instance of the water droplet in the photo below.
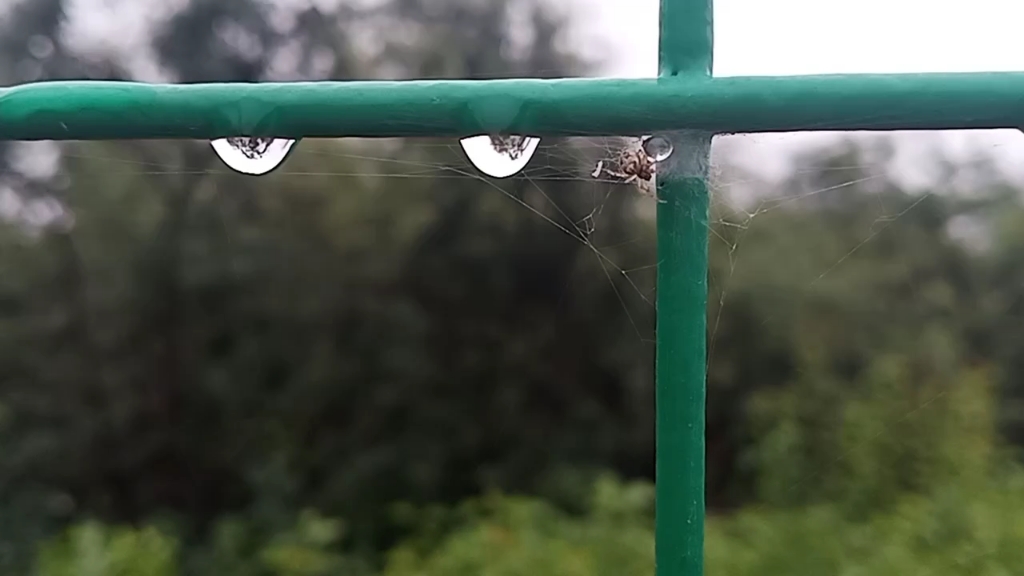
(252, 155)
(500, 156)
(657, 147)
(40, 47)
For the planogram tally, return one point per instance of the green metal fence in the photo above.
(685, 105)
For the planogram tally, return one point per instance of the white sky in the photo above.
(757, 37)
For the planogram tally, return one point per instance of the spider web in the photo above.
(597, 165)
(739, 194)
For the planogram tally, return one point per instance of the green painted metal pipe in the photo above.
(686, 49)
(119, 110)
(681, 367)
(686, 38)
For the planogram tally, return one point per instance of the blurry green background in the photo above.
(348, 368)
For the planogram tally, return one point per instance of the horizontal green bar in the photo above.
(570, 107)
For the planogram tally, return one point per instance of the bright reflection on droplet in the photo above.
(657, 147)
(252, 155)
(500, 156)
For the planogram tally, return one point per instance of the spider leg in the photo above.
(602, 169)
(648, 188)
(617, 175)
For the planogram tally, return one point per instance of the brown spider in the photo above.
(632, 165)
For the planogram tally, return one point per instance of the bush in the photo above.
(969, 532)
(91, 549)
(235, 549)
(513, 536)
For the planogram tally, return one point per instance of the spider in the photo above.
(511, 146)
(251, 146)
(632, 165)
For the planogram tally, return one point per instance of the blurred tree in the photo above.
(806, 296)
(514, 535)
(220, 343)
(97, 551)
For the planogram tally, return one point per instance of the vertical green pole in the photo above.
(685, 49)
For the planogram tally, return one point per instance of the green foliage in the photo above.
(516, 536)
(368, 338)
(306, 551)
(91, 549)
(918, 491)
(812, 297)
(308, 548)
(872, 440)
(910, 480)
(953, 531)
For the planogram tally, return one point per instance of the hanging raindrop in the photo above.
(500, 156)
(252, 155)
(658, 148)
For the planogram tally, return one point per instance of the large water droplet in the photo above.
(657, 147)
(252, 155)
(500, 156)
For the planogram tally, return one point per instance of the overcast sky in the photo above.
(825, 36)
